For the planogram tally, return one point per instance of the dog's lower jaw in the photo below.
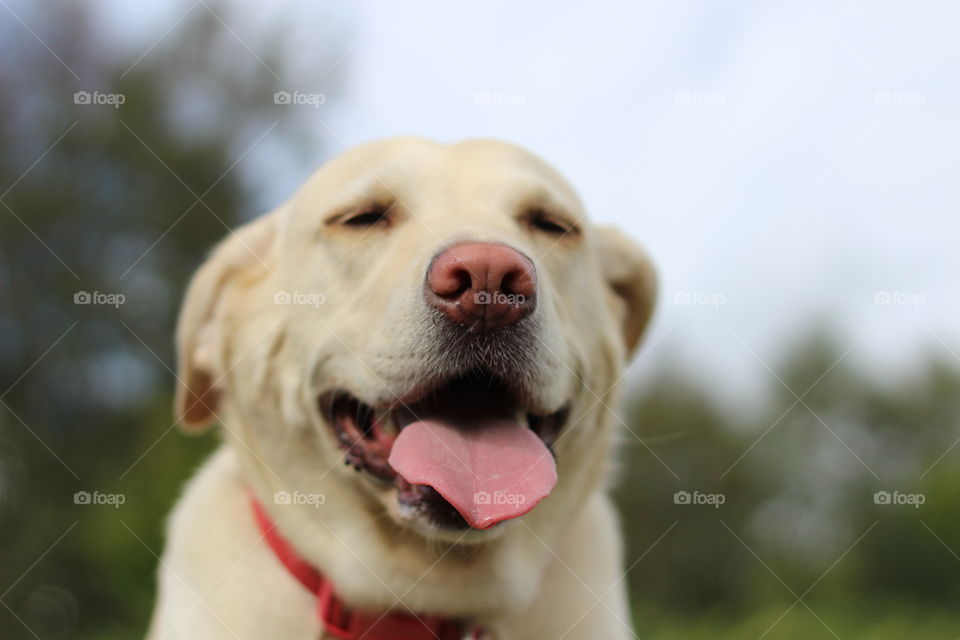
(373, 555)
(476, 574)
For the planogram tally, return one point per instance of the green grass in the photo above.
(850, 622)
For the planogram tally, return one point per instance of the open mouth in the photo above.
(466, 453)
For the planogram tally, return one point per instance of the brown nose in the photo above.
(481, 285)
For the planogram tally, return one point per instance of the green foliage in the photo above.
(125, 201)
(883, 620)
(799, 517)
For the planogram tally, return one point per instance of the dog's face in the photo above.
(442, 319)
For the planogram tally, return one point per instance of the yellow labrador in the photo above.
(412, 361)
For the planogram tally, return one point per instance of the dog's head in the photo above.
(442, 319)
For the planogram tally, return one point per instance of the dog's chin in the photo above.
(366, 435)
(440, 522)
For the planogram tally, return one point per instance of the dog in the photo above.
(413, 362)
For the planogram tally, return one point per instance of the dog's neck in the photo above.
(340, 620)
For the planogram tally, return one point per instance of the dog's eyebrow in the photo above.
(361, 193)
(543, 197)
(366, 203)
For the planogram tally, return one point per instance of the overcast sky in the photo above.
(786, 163)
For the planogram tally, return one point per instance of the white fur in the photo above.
(258, 367)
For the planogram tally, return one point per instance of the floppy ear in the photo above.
(245, 251)
(631, 278)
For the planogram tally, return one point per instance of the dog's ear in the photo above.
(632, 280)
(245, 251)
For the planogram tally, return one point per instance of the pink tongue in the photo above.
(490, 470)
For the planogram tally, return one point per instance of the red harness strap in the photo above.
(348, 624)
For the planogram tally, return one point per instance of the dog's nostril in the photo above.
(506, 286)
(449, 281)
(516, 284)
(463, 282)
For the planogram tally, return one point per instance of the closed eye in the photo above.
(549, 223)
(367, 217)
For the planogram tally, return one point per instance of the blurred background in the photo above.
(790, 467)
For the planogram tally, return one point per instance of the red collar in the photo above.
(339, 620)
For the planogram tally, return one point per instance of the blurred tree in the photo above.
(122, 200)
(799, 480)
(695, 566)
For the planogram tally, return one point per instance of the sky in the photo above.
(787, 164)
